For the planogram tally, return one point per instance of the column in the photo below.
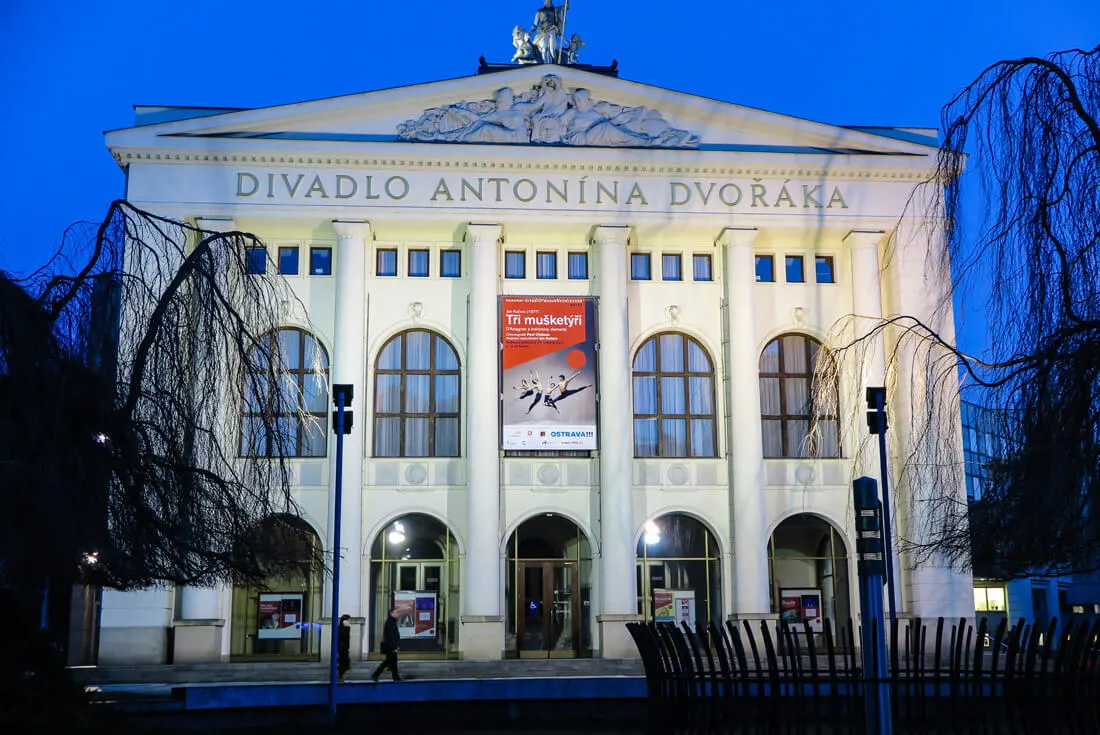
(482, 631)
(870, 370)
(747, 512)
(618, 596)
(197, 629)
(349, 366)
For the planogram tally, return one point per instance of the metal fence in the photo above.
(943, 676)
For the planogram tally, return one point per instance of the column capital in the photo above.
(215, 224)
(864, 238)
(482, 232)
(352, 229)
(737, 237)
(611, 234)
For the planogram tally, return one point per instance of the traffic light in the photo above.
(868, 526)
(876, 410)
(342, 393)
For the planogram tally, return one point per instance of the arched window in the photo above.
(295, 407)
(416, 397)
(788, 406)
(673, 398)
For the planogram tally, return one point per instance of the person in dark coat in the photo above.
(391, 644)
(343, 646)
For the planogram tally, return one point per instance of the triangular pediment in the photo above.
(472, 110)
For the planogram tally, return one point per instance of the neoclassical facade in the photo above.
(715, 248)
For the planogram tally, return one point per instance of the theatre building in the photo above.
(582, 317)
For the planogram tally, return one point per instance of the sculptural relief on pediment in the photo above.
(546, 114)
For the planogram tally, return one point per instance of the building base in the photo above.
(133, 645)
(481, 637)
(615, 640)
(197, 641)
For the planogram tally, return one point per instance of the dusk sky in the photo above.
(75, 68)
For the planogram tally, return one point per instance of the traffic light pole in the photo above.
(341, 396)
(876, 400)
(870, 530)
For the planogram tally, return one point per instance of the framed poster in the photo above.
(548, 372)
(279, 616)
(798, 606)
(416, 613)
(674, 606)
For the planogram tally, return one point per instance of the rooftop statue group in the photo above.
(546, 114)
(545, 43)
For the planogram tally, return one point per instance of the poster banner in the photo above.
(798, 606)
(548, 372)
(280, 616)
(416, 613)
(674, 606)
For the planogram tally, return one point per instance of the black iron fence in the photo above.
(943, 676)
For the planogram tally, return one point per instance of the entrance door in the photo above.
(548, 625)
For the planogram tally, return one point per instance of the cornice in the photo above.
(159, 156)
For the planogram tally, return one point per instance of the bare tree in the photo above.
(123, 369)
(1030, 129)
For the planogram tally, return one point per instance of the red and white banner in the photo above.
(548, 372)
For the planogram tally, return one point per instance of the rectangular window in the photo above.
(418, 263)
(700, 268)
(670, 267)
(546, 265)
(578, 266)
(288, 261)
(765, 269)
(795, 273)
(320, 261)
(823, 265)
(450, 263)
(515, 264)
(255, 261)
(386, 262)
(639, 267)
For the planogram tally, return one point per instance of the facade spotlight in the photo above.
(652, 534)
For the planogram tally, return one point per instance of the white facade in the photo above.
(332, 174)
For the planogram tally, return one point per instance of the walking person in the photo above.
(391, 644)
(343, 646)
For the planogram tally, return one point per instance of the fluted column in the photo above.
(482, 633)
(349, 366)
(748, 519)
(618, 596)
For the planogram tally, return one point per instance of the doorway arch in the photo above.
(278, 618)
(679, 571)
(414, 566)
(548, 589)
(808, 568)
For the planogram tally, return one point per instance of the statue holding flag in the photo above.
(548, 30)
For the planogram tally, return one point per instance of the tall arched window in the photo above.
(416, 397)
(788, 405)
(296, 406)
(673, 398)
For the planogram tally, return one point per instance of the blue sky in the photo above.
(74, 68)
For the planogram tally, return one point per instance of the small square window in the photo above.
(320, 261)
(255, 261)
(823, 265)
(701, 268)
(450, 263)
(288, 261)
(639, 267)
(795, 272)
(765, 269)
(385, 263)
(670, 267)
(546, 265)
(578, 266)
(418, 263)
(515, 264)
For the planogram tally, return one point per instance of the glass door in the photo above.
(548, 625)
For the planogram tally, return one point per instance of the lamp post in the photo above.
(341, 396)
(876, 424)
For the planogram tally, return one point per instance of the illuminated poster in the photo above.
(548, 372)
(280, 616)
(674, 606)
(415, 613)
(798, 606)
